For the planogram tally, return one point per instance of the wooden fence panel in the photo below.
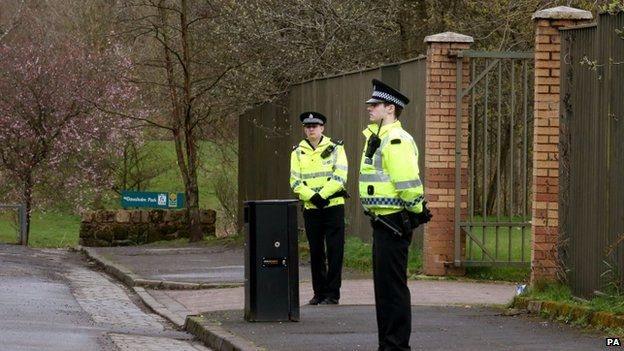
(592, 166)
(268, 132)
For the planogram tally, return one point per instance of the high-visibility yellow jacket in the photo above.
(389, 181)
(312, 173)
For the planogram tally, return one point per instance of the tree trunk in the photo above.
(28, 186)
(492, 196)
(187, 161)
(183, 124)
(192, 188)
(195, 231)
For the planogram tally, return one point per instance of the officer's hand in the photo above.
(413, 218)
(417, 219)
(318, 201)
(425, 216)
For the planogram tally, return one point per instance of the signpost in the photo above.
(150, 199)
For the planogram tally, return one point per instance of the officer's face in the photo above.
(378, 111)
(313, 131)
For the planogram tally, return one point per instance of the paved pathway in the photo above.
(193, 264)
(447, 315)
(112, 309)
(354, 292)
(334, 328)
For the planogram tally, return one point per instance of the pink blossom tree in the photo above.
(50, 131)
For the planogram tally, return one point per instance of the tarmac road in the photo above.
(38, 310)
(440, 328)
(51, 300)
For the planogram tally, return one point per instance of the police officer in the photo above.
(393, 196)
(318, 175)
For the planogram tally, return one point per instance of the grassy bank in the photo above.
(555, 302)
(504, 244)
(169, 178)
(58, 229)
(358, 255)
(507, 244)
(561, 293)
(48, 229)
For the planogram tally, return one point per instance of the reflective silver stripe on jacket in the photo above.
(316, 175)
(377, 161)
(374, 177)
(407, 184)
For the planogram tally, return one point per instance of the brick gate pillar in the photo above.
(545, 192)
(440, 121)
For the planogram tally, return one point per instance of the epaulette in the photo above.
(295, 147)
(337, 142)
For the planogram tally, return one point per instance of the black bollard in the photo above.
(271, 261)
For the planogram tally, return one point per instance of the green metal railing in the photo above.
(498, 161)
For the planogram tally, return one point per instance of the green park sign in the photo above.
(152, 199)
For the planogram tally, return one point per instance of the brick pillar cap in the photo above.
(562, 12)
(448, 37)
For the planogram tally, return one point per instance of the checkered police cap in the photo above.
(384, 93)
(311, 117)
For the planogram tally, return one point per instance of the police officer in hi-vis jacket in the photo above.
(393, 196)
(318, 175)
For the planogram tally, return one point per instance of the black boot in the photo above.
(315, 300)
(329, 301)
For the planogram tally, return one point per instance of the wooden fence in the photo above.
(591, 202)
(268, 132)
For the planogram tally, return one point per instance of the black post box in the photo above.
(271, 261)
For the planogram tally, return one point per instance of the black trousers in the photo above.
(392, 296)
(326, 227)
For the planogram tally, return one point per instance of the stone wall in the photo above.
(135, 227)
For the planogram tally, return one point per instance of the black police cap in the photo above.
(382, 92)
(311, 117)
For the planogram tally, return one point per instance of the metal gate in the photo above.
(496, 220)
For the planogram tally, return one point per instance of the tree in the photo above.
(167, 49)
(51, 133)
(204, 63)
(9, 22)
(136, 167)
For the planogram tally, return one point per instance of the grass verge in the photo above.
(49, 229)
(358, 255)
(504, 243)
(510, 274)
(562, 293)
(60, 229)
(555, 302)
